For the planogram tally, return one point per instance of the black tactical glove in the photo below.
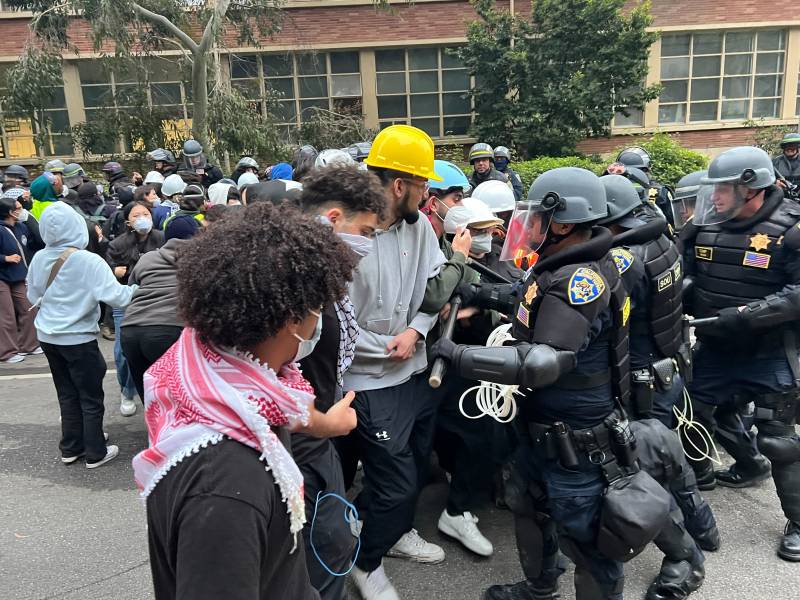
(729, 321)
(444, 348)
(468, 293)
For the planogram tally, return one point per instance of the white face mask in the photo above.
(142, 225)
(481, 243)
(457, 216)
(306, 347)
(358, 243)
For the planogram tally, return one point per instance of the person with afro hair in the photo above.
(224, 497)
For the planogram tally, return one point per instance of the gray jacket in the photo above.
(387, 291)
(156, 300)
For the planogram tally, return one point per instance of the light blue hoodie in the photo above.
(69, 309)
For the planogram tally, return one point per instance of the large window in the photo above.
(424, 87)
(17, 134)
(720, 76)
(299, 84)
(165, 87)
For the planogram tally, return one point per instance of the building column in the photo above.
(369, 88)
(650, 117)
(72, 93)
(789, 105)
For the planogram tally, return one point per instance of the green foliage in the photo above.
(530, 169)
(768, 138)
(670, 161)
(545, 82)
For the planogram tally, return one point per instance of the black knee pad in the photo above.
(779, 449)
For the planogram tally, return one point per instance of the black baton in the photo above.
(487, 272)
(439, 365)
(701, 322)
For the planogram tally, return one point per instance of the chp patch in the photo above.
(622, 258)
(585, 286)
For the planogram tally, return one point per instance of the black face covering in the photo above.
(408, 213)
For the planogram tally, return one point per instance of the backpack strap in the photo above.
(58, 264)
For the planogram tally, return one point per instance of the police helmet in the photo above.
(17, 171)
(247, 162)
(333, 156)
(502, 152)
(622, 198)
(573, 195)
(192, 148)
(744, 165)
(790, 139)
(161, 155)
(634, 157)
(480, 150)
(55, 166)
(112, 169)
(360, 150)
(689, 184)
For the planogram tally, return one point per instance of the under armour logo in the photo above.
(382, 436)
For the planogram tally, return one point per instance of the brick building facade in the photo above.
(721, 63)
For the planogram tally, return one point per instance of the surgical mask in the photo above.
(306, 347)
(358, 243)
(142, 225)
(481, 243)
(156, 202)
(22, 215)
(457, 216)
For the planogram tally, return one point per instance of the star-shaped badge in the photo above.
(760, 241)
(533, 289)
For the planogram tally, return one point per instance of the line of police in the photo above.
(602, 356)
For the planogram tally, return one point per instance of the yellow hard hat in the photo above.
(403, 148)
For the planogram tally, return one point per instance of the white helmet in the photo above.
(333, 156)
(496, 195)
(246, 179)
(173, 185)
(154, 177)
(218, 193)
(481, 215)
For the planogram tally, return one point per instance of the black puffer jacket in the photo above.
(125, 250)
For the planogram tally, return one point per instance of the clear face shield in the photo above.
(198, 161)
(683, 208)
(527, 232)
(718, 203)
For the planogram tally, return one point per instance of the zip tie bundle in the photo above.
(493, 399)
(687, 423)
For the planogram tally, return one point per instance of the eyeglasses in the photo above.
(424, 184)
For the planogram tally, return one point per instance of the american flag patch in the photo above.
(523, 315)
(756, 259)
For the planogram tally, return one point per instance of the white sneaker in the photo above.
(374, 585)
(17, 358)
(412, 547)
(127, 406)
(68, 460)
(111, 453)
(464, 528)
(36, 352)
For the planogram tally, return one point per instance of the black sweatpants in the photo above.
(78, 372)
(143, 345)
(333, 540)
(395, 434)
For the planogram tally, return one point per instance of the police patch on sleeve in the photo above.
(585, 286)
(622, 258)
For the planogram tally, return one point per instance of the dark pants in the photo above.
(145, 344)
(395, 433)
(78, 373)
(333, 540)
(464, 447)
(722, 383)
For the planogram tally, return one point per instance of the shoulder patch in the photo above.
(622, 258)
(585, 286)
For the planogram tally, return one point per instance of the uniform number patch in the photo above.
(704, 252)
(622, 258)
(585, 286)
(523, 315)
(756, 259)
(664, 282)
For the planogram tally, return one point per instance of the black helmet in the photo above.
(634, 156)
(622, 199)
(502, 152)
(247, 162)
(192, 148)
(161, 155)
(112, 169)
(17, 171)
(791, 139)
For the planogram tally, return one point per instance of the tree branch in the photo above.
(213, 23)
(165, 22)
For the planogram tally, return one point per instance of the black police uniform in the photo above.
(516, 182)
(749, 355)
(661, 196)
(651, 269)
(790, 169)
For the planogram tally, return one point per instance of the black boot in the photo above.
(677, 580)
(524, 590)
(790, 544)
(737, 478)
(704, 472)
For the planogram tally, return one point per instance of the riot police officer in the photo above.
(685, 198)
(196, 163)
(659, 194)
(502, 160)
(650, 266)
(787, 163)
(481, 157)
(246, 164)
(742, 256)
(163, 161)
(570, 361)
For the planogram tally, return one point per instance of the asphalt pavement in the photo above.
(73, 534)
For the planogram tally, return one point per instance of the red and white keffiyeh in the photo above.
(195, 395)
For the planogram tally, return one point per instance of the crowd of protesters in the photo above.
(289, 317)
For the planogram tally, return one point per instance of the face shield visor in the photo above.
(198, 161)
(527, 232)
(719, 202)
(683, 205)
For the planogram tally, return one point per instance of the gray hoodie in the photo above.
(156, 300)
(387, 292)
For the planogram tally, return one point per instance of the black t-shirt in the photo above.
(217, 528)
